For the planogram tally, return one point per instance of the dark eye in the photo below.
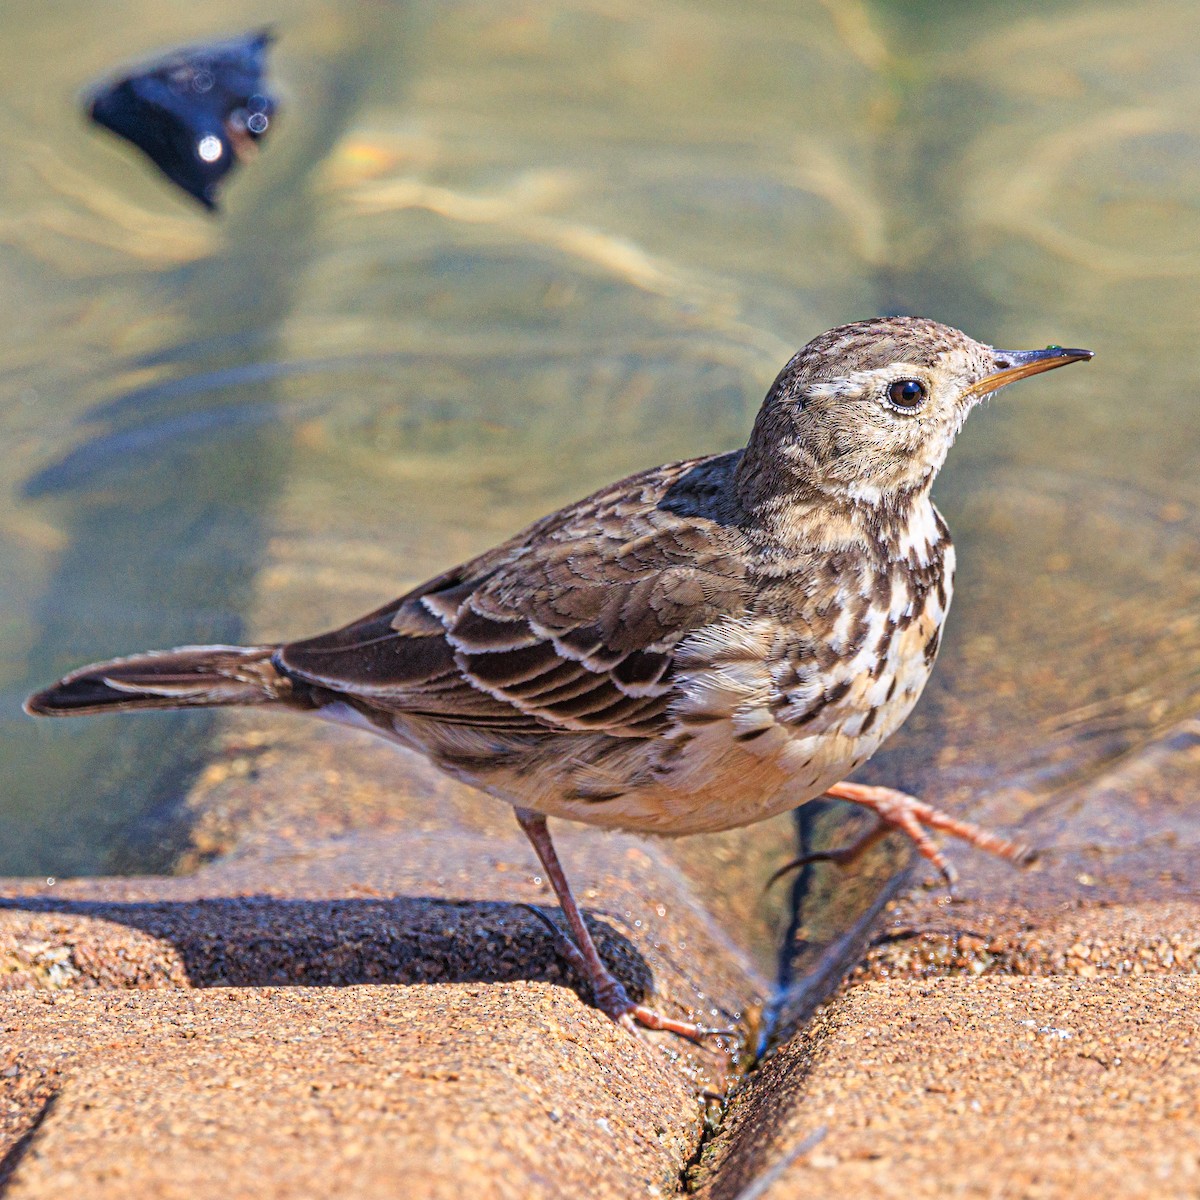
(907, 394)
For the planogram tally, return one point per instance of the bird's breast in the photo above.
(777, 707)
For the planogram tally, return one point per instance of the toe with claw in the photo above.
(898, 810)
(610, 996)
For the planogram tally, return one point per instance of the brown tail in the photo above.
(187, 677)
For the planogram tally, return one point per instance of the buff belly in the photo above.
(721, 782)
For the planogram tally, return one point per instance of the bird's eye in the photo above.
(907, 394)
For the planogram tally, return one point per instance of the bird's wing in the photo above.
(571, 625)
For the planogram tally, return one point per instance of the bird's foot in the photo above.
(639, 1016)
(609, 994)
(898, 810)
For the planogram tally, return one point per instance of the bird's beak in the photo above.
(1017, 364)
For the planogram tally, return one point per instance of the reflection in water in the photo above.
(545, 245)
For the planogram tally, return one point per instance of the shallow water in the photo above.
(497, 254)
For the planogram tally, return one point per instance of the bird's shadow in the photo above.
(266, 941)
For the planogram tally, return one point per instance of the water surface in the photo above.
(497, 254)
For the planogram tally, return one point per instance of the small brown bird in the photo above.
(697, 647)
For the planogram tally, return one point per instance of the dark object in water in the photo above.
(196, 112)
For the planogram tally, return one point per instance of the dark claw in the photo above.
(804, 860)
(950, 878)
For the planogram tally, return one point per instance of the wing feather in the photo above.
(571, 625)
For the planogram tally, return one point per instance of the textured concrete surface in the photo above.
(994, 1087)
(152, 1027)
(1147, 937)
(339, 1018)
(346, 997)
(430, 1091)
(367, 909)
(1036, 1037)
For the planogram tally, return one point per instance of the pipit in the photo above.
(698, 647)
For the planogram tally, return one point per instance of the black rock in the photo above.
(196, 112)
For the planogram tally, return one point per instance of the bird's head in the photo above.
(868, 411)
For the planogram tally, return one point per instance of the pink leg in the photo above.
(607, 990)
(898, 810)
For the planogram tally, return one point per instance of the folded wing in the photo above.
(572, 625)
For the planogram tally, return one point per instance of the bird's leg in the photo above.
(898, 810)
(607, 990)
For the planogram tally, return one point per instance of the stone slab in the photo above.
(993, 1087)
(513, 1090)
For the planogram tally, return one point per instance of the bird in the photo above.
(694, 648)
